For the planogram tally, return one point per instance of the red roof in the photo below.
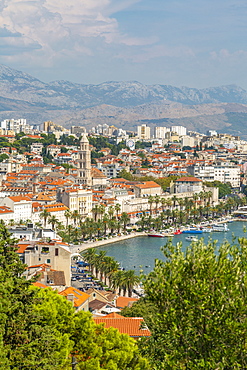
(188, 179)
(133, 326)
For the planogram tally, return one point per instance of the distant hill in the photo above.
(123, 104)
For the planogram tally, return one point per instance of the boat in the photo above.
(192, 231)
(191, 238)
(177, 232)
(220, 227)
(206, 229)
(156, 235)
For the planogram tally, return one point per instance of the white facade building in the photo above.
(143, 132)
(160, 132)
(180, 130)
(16, 125)
(223, 174)
(20, 205)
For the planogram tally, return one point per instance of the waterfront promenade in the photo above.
(99, 243)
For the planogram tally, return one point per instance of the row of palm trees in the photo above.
(203, 198)
(90, 228)
(107, 270)
(188, 211)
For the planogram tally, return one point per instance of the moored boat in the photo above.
(220, 227)
(177, 232)
(156, 235)
(191, 238)
(206, 229)
(192, 231)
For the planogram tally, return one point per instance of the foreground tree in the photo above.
(201, 300)
(40, 329)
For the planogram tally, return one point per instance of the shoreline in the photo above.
(100, 243)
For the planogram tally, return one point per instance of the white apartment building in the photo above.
(180, 130)
(16, 125)
(187, 141)
(223, 174)
(20, 205)
(111, 170)
(143, 132)
(160, 132)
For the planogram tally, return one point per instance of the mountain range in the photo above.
(123, 104)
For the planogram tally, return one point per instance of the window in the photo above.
(56, 251)
(48, 260)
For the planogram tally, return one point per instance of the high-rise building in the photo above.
(16, 126)
(143, 132)
(180, 130)
(160, 132)
(84, 176)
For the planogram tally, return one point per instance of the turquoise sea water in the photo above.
(142, 251)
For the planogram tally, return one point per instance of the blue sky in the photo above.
(181, 43)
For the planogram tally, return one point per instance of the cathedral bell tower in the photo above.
(84, 176)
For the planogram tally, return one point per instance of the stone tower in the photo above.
(84, 176)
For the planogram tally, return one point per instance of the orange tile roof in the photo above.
(188, 179)
(79, 297)
(22, 248)
(19, 198)
(125, 301)
(147, 184)
(126, 325)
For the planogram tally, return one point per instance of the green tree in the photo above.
(26, 341)
(53, 220)
(200, 297)
(98, 348)
(45, 214)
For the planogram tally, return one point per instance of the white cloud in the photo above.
(60, 28)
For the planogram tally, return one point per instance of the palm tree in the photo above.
(174, 200)
(129, 280)
(11, 222)
(111, 266)
(117, 209)
(98, 263)
(181, 203)
(67, 215)
(112, 225)
(68, 232)
(45, 214)
(117, 281)
(111, 212)
(53, 221)
(75, 216)
(95, 212)
(142, 222)
(156, 201)
(150, 201)
(101, 210)
(195, 198)
(125, 218)
(89, 256)
(105, 223)
(163, 202)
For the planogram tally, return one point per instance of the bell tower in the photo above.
(84, 176)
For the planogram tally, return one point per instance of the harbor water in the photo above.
(140, 253)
